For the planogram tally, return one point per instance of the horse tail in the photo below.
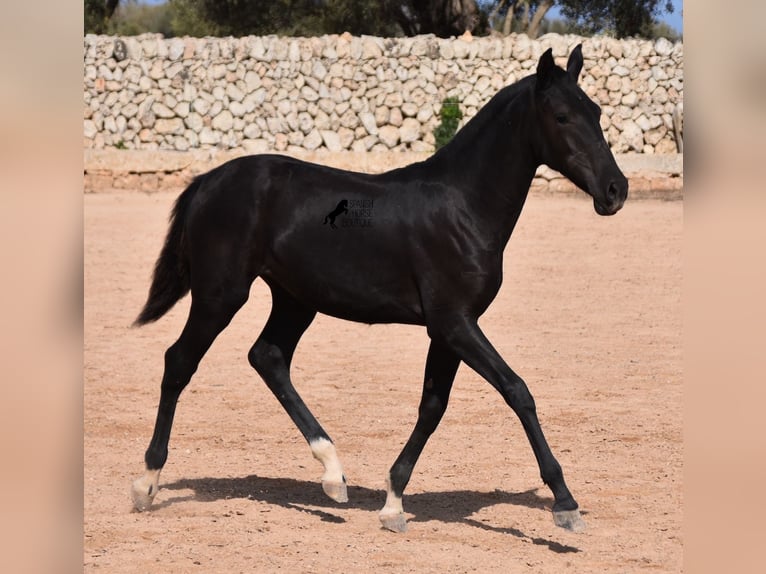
(171, 279)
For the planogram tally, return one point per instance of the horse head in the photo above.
(571, 140)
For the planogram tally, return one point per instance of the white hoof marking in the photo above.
(333, 481)
(144, 490)
(392, 513)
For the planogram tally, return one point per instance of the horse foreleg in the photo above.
(207, 318)
(466, 339)
(441, 367)
(271, 356)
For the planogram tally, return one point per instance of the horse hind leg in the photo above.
(441, 367)
(271, 356)
(208, 316)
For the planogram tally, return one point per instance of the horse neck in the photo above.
(492, 162)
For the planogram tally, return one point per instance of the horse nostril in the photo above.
(612, 192)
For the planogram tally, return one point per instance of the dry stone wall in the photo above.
(262, 94)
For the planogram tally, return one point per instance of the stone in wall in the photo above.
(341, 92)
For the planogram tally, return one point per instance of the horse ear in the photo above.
(574, 65)
(545, 66)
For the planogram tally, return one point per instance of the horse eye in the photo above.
(561, 118)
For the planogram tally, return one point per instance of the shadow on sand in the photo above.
(450, 506)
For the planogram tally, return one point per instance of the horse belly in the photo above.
(354, 279)
(353, 297)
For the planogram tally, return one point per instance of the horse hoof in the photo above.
(144, 490)
(394, 522)
(335, 490)
(569, 519)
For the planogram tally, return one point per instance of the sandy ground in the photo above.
(589, 315)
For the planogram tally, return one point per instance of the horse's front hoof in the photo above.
(335, 490)
(144, 490)
(393, 522)
(569, 519)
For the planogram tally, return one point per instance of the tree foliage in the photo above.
(622, 18)
(97, 15)
(507, 16)
(385, 18)
(311, 17)
(243, 17)
(443, 18)
(358, 17)
(132, 18)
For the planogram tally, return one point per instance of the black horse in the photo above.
(431, 254)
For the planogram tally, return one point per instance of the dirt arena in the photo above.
(589, 315)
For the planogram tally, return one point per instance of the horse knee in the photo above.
(518, 397)
(522, 402)
(265, 359)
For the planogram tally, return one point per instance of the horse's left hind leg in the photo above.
(271, 356)
(208, 316)
(441, 367)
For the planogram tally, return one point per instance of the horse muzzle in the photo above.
(614, 198)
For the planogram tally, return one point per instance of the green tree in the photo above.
(311, 17)
(356, 17)
(262, 17)
(662, 30)
(525, 16)
(232, 17)
(377, 17)
(623, 18)
(443, 18)
(187, 19)
(98, 14)
(132, 18)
